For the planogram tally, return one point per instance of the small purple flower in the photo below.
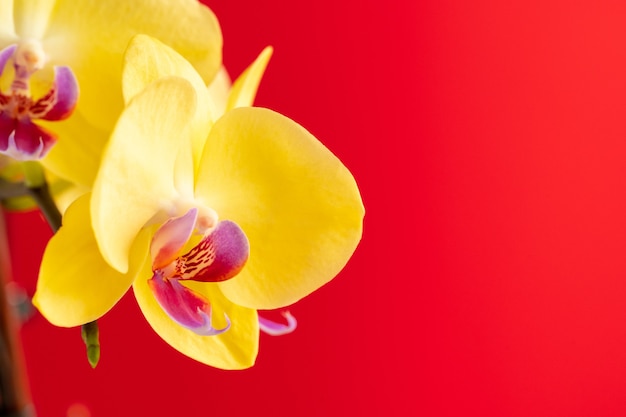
(20, 137)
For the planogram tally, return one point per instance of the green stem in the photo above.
(10, 190)
(90, 334)
(33, 174)
(48, 207)
(35, 181)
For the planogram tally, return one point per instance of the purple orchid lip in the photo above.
(61, 99)
(186, 307)
(27, 141)
(20, 138)
(278, 329)
(220, 255)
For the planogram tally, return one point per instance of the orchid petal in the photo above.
(278, 329)
(29, 141)
(7, 27)
(91, 36)
(5, 55)
(7, 127)
(64, 192)
(219, 90)
(235, 349)
(75, 285)
(31, 17)
(64, 93)
(186, 307)
(63, 157)
(144, 147)
(147, 60)
(296, 202)
(171, 237)
(245, 87)
(219, 256)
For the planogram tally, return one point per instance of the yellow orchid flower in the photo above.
(83, 42)
(208, 221)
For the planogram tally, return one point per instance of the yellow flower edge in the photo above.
(297, 203)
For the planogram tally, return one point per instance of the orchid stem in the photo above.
(46, 204)
(38, 188)
(90, 334)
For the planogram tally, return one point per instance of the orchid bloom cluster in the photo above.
(209, 208)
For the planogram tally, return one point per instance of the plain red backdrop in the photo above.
(489, 140)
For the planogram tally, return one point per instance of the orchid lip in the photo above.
(278, 329)
(219, 255)
(185, 306)
(60, 101)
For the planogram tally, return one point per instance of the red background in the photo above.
(489, 140)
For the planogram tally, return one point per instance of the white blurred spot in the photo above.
(78, 410)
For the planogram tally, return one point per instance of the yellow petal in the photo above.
(219, 89)
(147, 60)
(297, 203)
(75, 160)
(7, 28)
(75, 284)
(31, 17)
(235, 349)
(91, 37)
(65, 193)
(245, 87)
(137, 177)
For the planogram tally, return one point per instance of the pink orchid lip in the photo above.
(278, 329)
(25, 140)
(20, 138)
(220, 255)
(186, 307)
(60, 101)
